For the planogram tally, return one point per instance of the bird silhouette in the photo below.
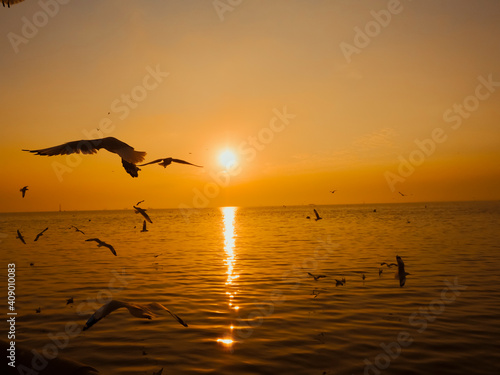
(167, 161)
(401, 273)
(339, 282)
(316, 278)
(139, 311)
(69, 300)
(317, 215)
(23, 190)
(20, 236)
(40, 234)
(102, 243)
(129, 156)
(76, 229)
(389, 265)
(142, 211)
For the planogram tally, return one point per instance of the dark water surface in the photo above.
(238, 277)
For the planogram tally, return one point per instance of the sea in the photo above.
(239, 277)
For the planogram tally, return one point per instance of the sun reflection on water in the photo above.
(228, 215)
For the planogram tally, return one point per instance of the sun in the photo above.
(227, 159)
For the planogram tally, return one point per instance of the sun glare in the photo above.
(227, 159)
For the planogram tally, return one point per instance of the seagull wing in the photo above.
(131, 168)
(96, 240)
(111, 306)
(110, 248)
(151, 162)
(20, 236)
(143, 213)
(159, 306)
(317, 215)
(144, 229)
(185, 162)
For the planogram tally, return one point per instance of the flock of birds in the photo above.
(400, 274)
(129, 156)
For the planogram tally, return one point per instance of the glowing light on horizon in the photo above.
(228, 159)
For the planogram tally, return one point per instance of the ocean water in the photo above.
(239, 278)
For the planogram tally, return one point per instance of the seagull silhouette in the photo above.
(138, 203)
(317, 215)
(139, 311)
(20, 236)
(403, 195)
(316, 278)
(76, 229)
(144, 229)
(8, 2)
(401, 273)
(339, 282)
(39, 310)
(388, 265)
(142, 211)
(167, 161)
(129, 156)
(69, 300)
(102, 243)
(40, 234)
(333, 191)
(23, 190)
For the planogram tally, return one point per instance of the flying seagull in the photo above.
(129, 156)
(333, 191)
(388, 265)
(40, 234)
(39, 310)
(317, 215)
(138, 203)
(69, 300)
(403, 195)
(102, 243)
(20, 236)
(142, 211)
(76, 229)
(167, 161)
(139, 311)
(401, 273)
(23, 190)
(8, 2)
(144, 229)
(316, 278)
(339, 282)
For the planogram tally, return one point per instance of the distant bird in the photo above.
(102, 243)
(363, 277)
(76, 229)
(144, 229)
(308, 217)
(39, 310)
(333, 191)
(142, 211)
(388, 265)
(403, 195)
(129, 156)
(167, 161)
(316, 278)
(374, 210)
(40, 234)
(339, 282)
(69, 300)
(138, 203)
(317, 215)
(20, 236)
(8, 2)
(380, 270)
(157, 255)
(23, 190)
(139, 311)
(401, 273)
(32, 264)
(315, 293)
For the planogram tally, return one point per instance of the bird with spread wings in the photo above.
(129, 156)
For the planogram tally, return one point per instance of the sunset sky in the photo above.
(370, 98)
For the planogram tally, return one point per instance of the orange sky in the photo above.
(367, 97)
